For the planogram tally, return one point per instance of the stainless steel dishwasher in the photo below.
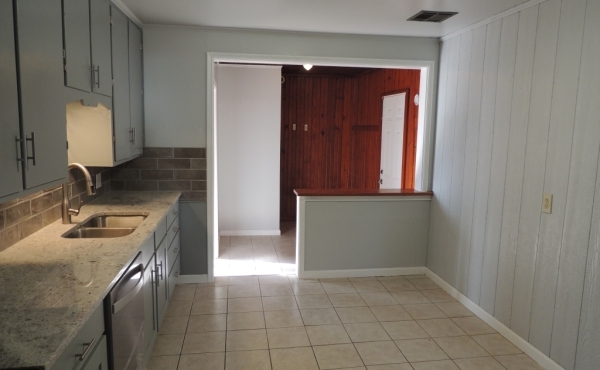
(124, 309)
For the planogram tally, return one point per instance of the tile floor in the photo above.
(279, 322)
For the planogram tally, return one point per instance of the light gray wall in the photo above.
(175, 69)
(348, 235)
(518, 116)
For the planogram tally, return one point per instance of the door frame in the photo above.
(425, 136)
(405, 128)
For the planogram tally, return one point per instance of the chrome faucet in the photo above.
(67, 211)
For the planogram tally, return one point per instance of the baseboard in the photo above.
(323, 274)
(249, 232)
(192, 279)
(519, 342)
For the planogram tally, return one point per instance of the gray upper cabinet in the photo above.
(123, 139)
(10, 148)
(87, 45)
(136, 88)
(43, 114)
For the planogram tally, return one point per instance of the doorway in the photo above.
(393, 128)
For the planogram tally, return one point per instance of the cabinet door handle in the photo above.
(176, 250)
(134, 136)
(19, 160)
(93, 71)
(161, 270)
(175, 229)
(131, 135)
(89, 345)
(97, 80)
(32, 139)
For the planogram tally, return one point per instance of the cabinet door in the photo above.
(101, 61)
(161, 280)
(10, 149)
(136, 86)
(99, 359)
(120, 62)
(78, 65)
(43, 110)
(150, 316)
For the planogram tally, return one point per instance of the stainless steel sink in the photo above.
(93, 232)
(107, 226)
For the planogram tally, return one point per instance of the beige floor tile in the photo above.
(174, 325)
(301, 358)
(272, 290)
(399, 330)
(518, 362)
(313, 301)
(338, 287)
(410, 297)
(287, 337)
(219, 281)
(473, 325)
(424, 311)
(416, 350)
(243, 291)
(390, 367)
(423, 284)
(213, 341)
(304, 289)
(296, 280)
(378, 353)
(283, 319)
(346, 300)
(441, 328)
(366, 332)
(279, 303)
(337, 356)
(273, 279)
(379, 299)
(363, 286)
(215, 292)
(355, 314)
(327, 334)
(179, 308)
(245, 360)
(364, 278)
(245, 340)
(390, 313)
(163, 363)
(168, 345)
(396, 284)
(183, 292)
(202, 323)
(202, 361)
(435, 365)
(460, 347)
(454, 309)
(438, 295)
(209, 306)
(245, 321)
(479, 363)
(244, 305)
(320, 316)
(334, 280)
(496, 344)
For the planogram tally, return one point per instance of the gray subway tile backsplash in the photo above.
(158, 152)
(174, 164)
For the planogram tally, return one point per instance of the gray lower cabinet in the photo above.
(150, 316)
(99, 358)
(162, 287)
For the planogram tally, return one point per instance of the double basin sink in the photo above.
(107, 226)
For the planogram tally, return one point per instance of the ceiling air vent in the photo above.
(431, 16)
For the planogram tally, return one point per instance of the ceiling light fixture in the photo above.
(307, 66)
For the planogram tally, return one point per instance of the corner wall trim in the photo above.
(515, 339)
(324, 274)
(248, 232)
(192, 279)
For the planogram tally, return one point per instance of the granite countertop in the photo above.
(49, 285)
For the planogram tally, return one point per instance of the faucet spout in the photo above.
(66, 209)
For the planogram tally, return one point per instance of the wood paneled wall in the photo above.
(518, 108)
(341, 147)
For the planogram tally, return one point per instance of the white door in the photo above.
(392, 140)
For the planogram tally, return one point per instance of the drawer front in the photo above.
(172, 213)
(160, 232)
(99, 359)
(91, 332)
(174, 275)
(172, 232)
(173, 252)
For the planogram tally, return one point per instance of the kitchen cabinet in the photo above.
(34, 154)
(87, 53)
(136, 88)
(99, 358)
(150, 316)
(161, 285)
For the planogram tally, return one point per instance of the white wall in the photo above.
(518, 116)
(248, 147)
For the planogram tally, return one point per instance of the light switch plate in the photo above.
(547, 203)
(98, 180)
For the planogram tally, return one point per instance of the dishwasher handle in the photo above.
(139, 269)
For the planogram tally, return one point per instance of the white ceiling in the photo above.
(369, 17)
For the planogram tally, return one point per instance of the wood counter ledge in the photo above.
(359, 192)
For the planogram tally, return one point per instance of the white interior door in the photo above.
(392, 140)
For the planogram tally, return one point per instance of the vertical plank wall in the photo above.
(519, 116)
